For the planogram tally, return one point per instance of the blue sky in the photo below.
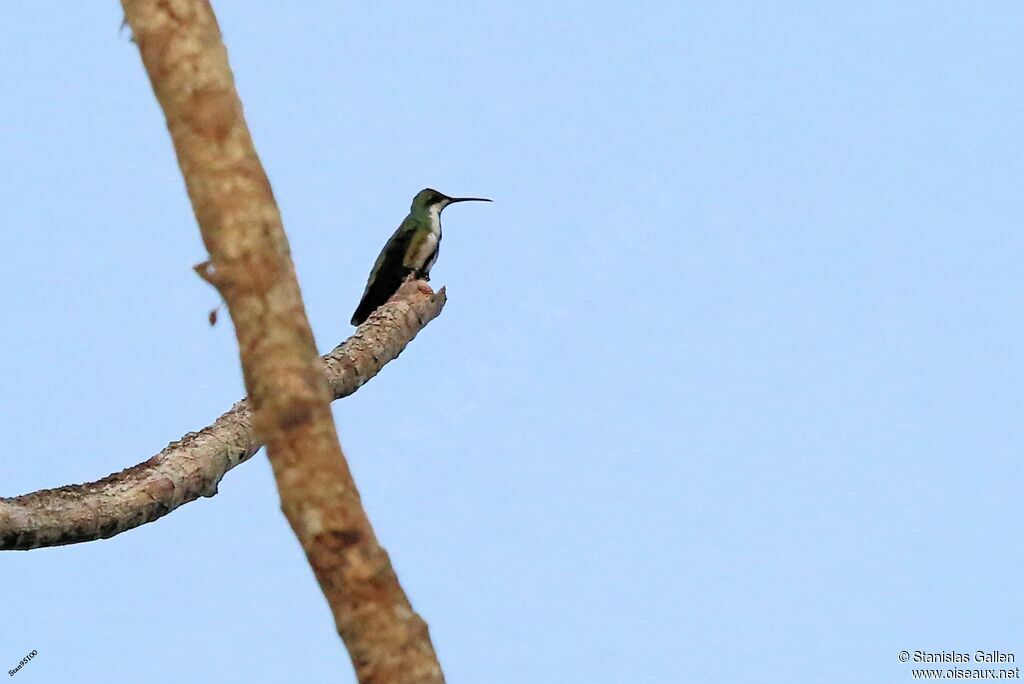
(728, 387)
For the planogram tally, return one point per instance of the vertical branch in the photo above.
(251, 266)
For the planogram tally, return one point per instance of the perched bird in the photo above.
(412, 250)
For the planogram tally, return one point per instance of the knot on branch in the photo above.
(248, 275)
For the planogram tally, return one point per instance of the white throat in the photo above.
(434, 212)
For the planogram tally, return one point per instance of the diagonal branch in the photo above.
(250, 264)
(194, 465)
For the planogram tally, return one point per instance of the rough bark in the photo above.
(194, 465)
(251, 266)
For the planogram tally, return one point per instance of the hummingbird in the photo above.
(411, 251)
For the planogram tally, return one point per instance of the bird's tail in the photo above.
(377, 293)
(363, 311)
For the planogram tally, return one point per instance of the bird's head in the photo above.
(429, 201)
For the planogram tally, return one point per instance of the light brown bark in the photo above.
(250, 265)
(194, 465)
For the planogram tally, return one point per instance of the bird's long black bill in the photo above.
(469, 199)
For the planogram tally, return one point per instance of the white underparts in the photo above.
(426, 253)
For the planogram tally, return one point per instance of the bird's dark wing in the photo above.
(386, 277)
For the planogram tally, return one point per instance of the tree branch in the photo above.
(250, 264)
(194, 465)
